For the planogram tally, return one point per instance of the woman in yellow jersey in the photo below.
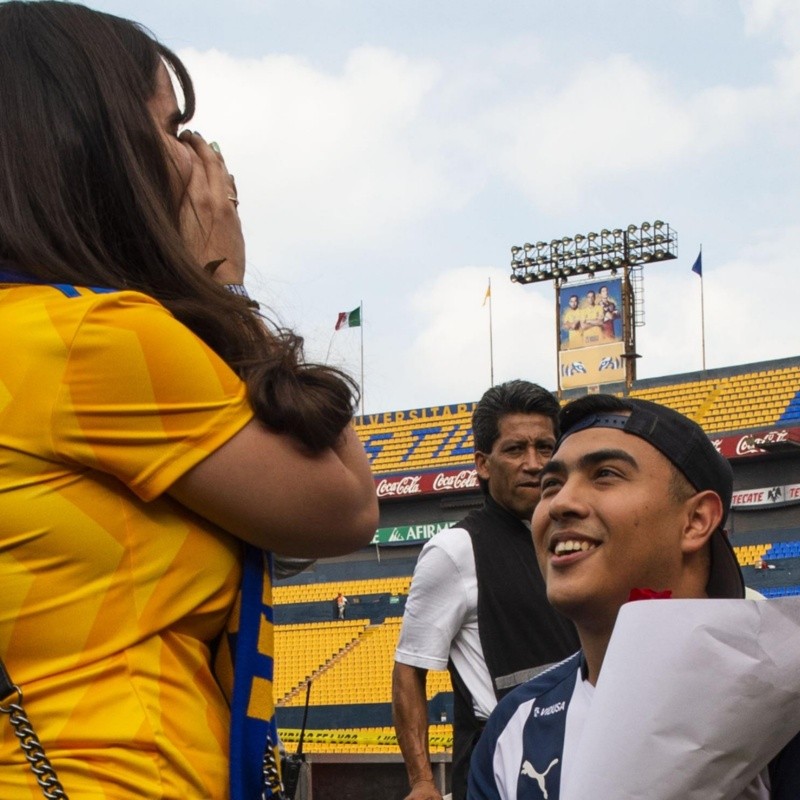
(158, 437)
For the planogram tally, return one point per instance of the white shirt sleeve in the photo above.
(441, 600)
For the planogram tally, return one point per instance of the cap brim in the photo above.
(725, 579)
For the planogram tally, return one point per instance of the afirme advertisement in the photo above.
(410, 534)
(591, 346)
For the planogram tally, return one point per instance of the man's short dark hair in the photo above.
(512, 397)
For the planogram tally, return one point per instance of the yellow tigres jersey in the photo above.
(111, 591)
(570, 317)
(591, 333)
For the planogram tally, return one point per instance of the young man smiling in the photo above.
(477, 602)
(633, 499)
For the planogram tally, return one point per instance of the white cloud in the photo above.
(331, 159)
(351, 159)
(619, 121)
(744, 298)
(611, 116)
(778, 17)
(450, 354)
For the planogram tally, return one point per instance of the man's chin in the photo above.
(567, 602)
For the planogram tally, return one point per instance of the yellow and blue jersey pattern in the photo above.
(112, 592)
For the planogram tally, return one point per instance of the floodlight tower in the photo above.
(595, 254)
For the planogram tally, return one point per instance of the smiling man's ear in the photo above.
(703, 517)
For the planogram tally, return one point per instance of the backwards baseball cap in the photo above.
(687, 447)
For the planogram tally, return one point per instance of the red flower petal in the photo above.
(649, 594)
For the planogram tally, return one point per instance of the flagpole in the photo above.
(330, 347)
(491, 339)
(702, 314)
(361, 317)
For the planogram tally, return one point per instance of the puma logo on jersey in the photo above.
(530, 772)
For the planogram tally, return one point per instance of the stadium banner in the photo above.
(410, 534)
(353, 737)
(591, 327)
(590, 313)
(438, 413)
(591, 365)
(755, 499)
(758, 443)
(447, 480)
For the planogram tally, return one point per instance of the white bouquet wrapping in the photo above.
(695, 697)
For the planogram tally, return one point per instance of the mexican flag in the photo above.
(351, 319)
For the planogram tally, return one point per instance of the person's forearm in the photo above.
(410, 712)
(350, 451)
(268, 489)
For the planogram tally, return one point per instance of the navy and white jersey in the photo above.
(528, 743)
(520, 755)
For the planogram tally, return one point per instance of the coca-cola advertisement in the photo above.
(450, 480)
(454, 482)
(465, 479)
(399, 487)
(756, 444)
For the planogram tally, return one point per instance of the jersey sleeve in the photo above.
(435, 610)
(142, 397)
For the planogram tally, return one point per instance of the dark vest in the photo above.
(519, 630)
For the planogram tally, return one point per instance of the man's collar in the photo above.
(493, 505)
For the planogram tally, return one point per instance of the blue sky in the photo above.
(392, 152)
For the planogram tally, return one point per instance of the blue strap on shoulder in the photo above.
(9, 274)
(250, 734)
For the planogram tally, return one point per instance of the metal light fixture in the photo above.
(583, 254)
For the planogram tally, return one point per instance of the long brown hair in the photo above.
(85, 199)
